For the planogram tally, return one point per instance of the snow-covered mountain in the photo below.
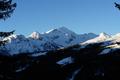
(55, 39)
(102, 37)
(41, 42)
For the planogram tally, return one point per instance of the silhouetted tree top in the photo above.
(117, 5)
(6, 34)
(6, 8)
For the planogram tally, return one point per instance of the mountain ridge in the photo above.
(52, 40)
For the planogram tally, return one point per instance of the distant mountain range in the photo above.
(52, 40)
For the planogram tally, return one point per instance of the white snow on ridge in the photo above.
(102, 37)
(48, 31)
(38, 54)
(105, 51)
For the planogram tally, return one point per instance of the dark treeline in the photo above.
(90, 65)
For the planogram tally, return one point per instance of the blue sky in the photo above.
(81, 16)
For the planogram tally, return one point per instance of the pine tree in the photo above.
(3, 35)
(6, 9)
(6, 34)
(117, 5)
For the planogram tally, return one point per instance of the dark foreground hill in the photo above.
(73, 63)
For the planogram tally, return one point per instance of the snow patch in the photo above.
(65, 61)
(38, 54)
(105, 51)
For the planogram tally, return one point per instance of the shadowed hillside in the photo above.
(72, 63)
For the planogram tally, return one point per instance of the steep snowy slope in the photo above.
(102, 37)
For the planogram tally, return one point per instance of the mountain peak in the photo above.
(35, 35)
(104, 35)
(61, 30)
(65, 30)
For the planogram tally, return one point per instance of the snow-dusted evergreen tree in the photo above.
(6, 9)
